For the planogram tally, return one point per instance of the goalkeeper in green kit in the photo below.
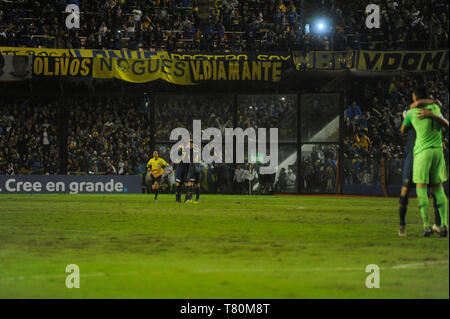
(429, 162)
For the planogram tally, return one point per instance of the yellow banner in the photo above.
(62, 66)
(324, 60)
(205, 70)
(414, 61)
(164, 68)
(214, 56)
(403, 60)
(186, 72)
(317, 60)
(143, 70)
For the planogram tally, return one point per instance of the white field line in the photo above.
(424, 264)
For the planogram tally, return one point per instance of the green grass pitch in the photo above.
(129, 246)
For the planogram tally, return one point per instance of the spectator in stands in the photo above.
(353, 111)
(363, 142)
(434, 31)
(282, 180)
(251, 175)
(75, 42)
(292, 16)
(3, 161)
(110, 168)
(291, 178)
(352, 115)
(239, 179)
(356, 170)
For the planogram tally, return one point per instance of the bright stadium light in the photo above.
(321, 26)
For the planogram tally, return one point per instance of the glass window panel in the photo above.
(320, 117)
(269, 111)
(173, 111)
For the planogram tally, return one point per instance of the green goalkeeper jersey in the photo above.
(429, 133)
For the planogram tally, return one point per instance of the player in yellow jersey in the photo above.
(155, 167)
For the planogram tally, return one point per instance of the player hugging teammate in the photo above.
(188, 173)
(428, 165)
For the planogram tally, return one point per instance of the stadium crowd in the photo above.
(29, 136)
(220, 25)
(319, 169)
(108, 136)
(405, 24)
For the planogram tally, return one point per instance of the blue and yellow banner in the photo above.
(187, 68)
(403, 60)
(413, 61)
(162, 68)
(62, 66)
(143, 70)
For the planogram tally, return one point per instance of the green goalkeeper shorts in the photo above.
(429, 167)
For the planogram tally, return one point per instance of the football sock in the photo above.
(156, 193)
(189, 192)
(178, 194)
(186, 196)
(402, 209)
(437, 215)
(422, 196)
(442, 204)
(197, 193)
